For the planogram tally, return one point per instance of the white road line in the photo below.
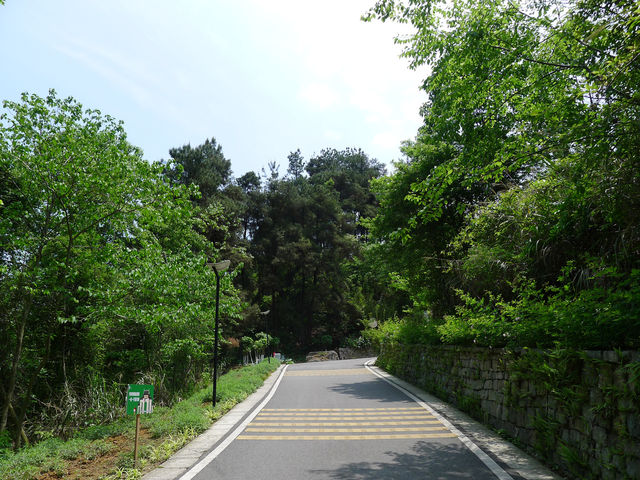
(198, 467)
(484, 458)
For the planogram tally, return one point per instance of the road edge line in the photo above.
(198, 467)
(496, 469)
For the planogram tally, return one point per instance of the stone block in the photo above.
(633, 425)
(322, 356)
(607, 474)
(619, 462)
(575, 436)
(633, 468)
(492, 395)
(610, 356)
(474, 384)
(595, 354)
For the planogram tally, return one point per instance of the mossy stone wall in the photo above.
(577, 410)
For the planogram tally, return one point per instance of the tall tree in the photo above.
(350, 171)
(304, 236)
(296, 164)
(204, 165)
(536, 104)
(95, 246)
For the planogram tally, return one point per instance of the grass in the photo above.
(166, 430)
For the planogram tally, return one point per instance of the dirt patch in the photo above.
(107, 463)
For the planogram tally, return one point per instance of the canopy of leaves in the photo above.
(536, 105)
(303, 230)
(101, 269)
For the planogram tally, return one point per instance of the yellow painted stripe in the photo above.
(341, 424)
(349, 417)
(316, 373)
(348, 437)
(345, 414)
(339, 409)
(345, 430)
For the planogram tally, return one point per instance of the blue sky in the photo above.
(262, 77)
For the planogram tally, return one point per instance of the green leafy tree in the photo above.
(204, 166)
(303, 240)
(74, 186)
(536, 103)
(100, 265)
(349, 172)
(296, 164)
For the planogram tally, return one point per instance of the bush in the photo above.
(408, 331)
(602, 317)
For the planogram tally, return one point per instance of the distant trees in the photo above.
(303, 231)
(204, 166)
(293, 237)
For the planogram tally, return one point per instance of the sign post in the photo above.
(139, 401)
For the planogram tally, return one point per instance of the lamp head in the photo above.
(220, 266)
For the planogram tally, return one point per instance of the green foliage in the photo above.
(520, 193)
(407, 331)
(598, 317)
(49, 455)
(102, 268)
(176, 425)
(303, 232)
(204, 166)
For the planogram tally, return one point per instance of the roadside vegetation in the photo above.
(106, 450)
(514, 219)
(511, 219)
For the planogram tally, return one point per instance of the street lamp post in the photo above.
(217, 269)
(266, 329)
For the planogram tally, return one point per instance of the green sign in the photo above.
(139, 399)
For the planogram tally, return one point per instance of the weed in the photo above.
(124, 473)
(573, 459)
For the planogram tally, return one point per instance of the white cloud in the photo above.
(332, 135)
(319, 96)
(388, 140)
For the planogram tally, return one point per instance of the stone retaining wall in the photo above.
(578, 411)
(351, 353)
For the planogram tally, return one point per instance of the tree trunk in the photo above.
(17, 353)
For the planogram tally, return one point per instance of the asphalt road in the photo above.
(337, 420)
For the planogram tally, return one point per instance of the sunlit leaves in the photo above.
(538, 102)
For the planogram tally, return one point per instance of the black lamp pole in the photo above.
(217, 268)
(266, 328)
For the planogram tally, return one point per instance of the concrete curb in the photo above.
(514, 460)
(185, 458)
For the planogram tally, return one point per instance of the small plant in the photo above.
(124, 473)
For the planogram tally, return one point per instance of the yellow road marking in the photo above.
(341, 424)
(345, 430)
(316, 373)
(338, 409)
(343, 414)
(348, 437)
(381, 417)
